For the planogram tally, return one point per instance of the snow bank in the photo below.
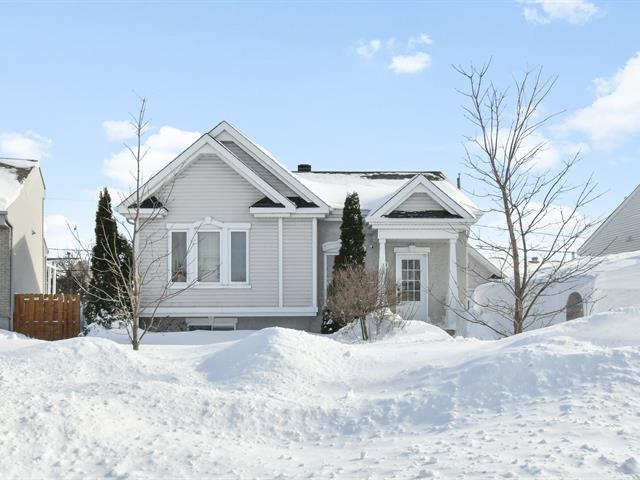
(559, 402)
(195, 337)
(614, 283)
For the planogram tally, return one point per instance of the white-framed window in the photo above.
(178, 256)
(209, 254)
(239, 256)
(330, 251)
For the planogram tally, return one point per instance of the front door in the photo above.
(411, 277)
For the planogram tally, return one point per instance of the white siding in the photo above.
(258, 168)
(26, 215)
(210, 188)
(620, 232)
(298, 256)
(419, 202)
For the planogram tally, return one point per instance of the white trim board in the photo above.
(233, 311)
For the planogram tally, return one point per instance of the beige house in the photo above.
(255, 242)
(22, 246)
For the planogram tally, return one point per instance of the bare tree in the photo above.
(364, 298)
(72, 273)
(133, 299)
(540, 207)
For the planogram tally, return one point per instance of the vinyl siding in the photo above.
(419, 202)
(258, 168)
(26, 216)
(298, 256)
(210, 188)
(620, 232)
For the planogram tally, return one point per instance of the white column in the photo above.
(452, 293)
(382, 254)
(280, 265)
(314, 259)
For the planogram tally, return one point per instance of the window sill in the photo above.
(209, 286)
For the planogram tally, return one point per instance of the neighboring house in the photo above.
(22, 247)
(256, 242)
(620, 232)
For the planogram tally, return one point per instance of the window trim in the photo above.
(209, 225)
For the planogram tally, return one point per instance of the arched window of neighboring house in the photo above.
(575, 306)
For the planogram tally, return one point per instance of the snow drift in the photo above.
(559, 402)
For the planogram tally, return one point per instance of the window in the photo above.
(179, 257)
(209, 257)
(210, 254)
(410, 286)
(238, 256)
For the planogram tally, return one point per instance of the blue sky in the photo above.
(341, 86)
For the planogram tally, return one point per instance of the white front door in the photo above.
(411, 277)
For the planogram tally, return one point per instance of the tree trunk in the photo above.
(135, 340)
(363, 327)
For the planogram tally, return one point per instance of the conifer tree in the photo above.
(352, 254)
(352, 250)
(110, 247)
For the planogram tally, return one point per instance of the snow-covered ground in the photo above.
(560, 402)
(614, 282)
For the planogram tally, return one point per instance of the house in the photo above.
(255, 242)
(619, 233)
(22, 246)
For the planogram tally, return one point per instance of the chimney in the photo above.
(304, 167)
(459, 182)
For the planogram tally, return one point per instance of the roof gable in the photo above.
(420, 184)
(225, 132)
(205, 144)
(610, 223)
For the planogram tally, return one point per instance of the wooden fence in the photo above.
(47, 317)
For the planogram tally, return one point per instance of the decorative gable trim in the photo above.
(226, 131)
(419, 184)
(206, 144)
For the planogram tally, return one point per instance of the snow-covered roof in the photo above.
(372, 187)
(375, 188)
(13, 173)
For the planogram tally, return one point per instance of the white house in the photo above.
(22, 247)
(256, 242)
(620, 232)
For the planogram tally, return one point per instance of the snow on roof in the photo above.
(458, 195)
(13, 173)
(374, 188)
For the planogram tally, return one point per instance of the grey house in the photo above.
(22, 247)
(255, 242)
(620, 231)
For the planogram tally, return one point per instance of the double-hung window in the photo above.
(209, 257)
(209, 253)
